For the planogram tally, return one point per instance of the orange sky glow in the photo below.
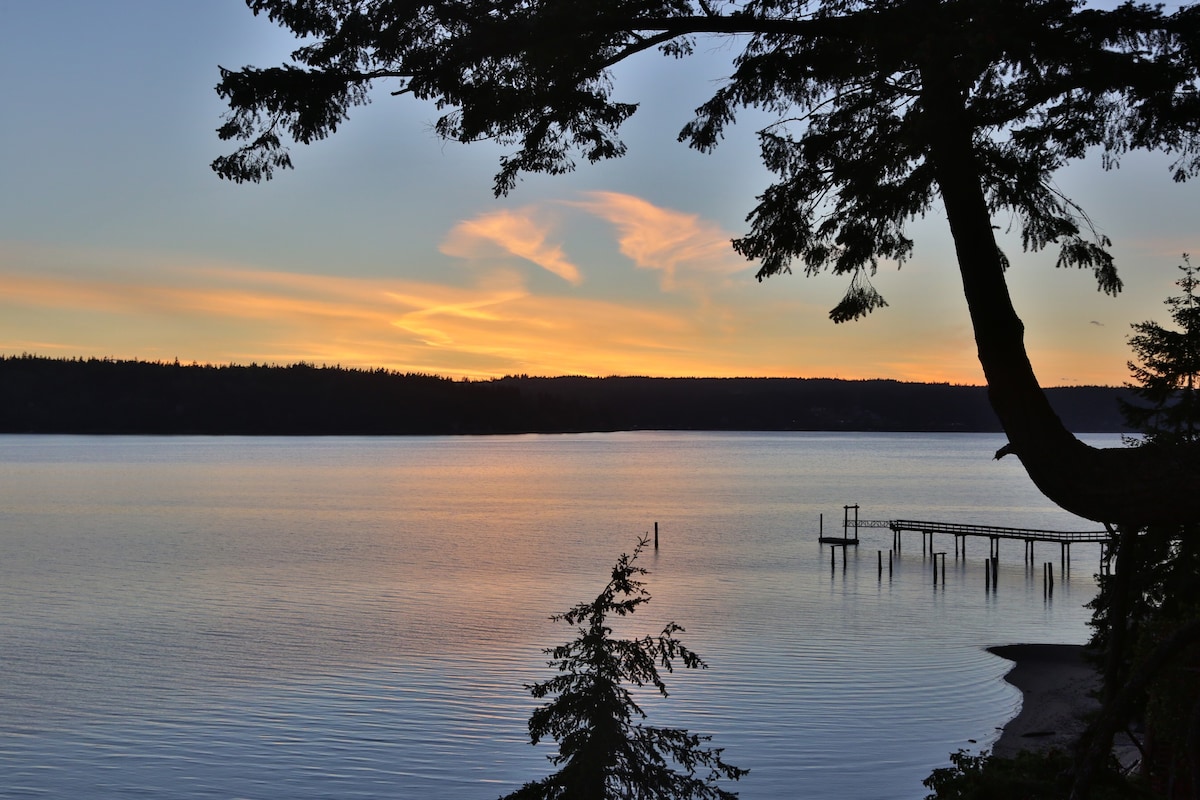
(385, 247)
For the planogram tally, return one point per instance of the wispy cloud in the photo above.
(520, 232)
(681, 246)
(125, 304)
(223, 312)
(687, 250)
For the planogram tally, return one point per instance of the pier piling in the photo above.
(939, 556)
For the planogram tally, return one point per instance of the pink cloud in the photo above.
(684, 247)
(516, 232)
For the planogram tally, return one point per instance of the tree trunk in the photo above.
(1130, 486)
(1120, 591)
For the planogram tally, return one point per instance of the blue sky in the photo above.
(385, 247)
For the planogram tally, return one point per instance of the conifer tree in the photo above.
(1167, 371)
(1149, 603)
(605, 751)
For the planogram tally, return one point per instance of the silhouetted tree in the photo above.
(1027, 776)
(882, 110)
(1150, 600)
(1167, 370)
(606, 753)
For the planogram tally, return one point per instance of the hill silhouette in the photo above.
(109, 396)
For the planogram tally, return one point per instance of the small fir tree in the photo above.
(604, 750)
(1167, 368)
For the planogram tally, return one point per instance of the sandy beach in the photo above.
(1056, 684)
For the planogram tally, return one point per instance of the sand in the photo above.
(1056, 684)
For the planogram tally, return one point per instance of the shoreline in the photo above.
(1056, 684)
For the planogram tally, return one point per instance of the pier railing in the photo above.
(961, 531)
(992, 531)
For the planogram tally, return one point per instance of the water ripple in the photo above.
(269, 619)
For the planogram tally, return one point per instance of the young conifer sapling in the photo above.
(605, 751)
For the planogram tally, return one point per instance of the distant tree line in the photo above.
(110, 396)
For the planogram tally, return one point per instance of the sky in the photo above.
(386, 248)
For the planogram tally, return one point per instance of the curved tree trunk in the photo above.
(1134, 486)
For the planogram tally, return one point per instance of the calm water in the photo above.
(342, 618)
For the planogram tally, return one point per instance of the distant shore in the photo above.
(1056, 684)
(110, 397)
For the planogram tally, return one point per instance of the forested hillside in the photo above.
(106, 396)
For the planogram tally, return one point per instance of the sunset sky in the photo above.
(385, 247)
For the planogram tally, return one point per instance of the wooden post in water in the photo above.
(844, 549)
(889, 563)
(846, 522)
(821, 526)
(656, 536)
(940, 556)
(880, 565)
(832, 559)
(987, 574)
(995, 573)
(1050, 576)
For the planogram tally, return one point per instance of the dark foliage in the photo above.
(1167, 370)
(1027, 776)
(105, 396)
(859, 89)
(606, 752)
(1152, 595)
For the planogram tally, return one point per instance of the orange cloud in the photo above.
(671, 241)
(514, 231)
(221, 313)
(137, 305)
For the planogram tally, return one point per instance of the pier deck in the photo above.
(960, 531)
(990, 531)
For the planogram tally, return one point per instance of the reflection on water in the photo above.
(295, 618)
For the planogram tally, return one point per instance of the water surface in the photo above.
(357, 617)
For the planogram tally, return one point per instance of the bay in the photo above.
(357, 617)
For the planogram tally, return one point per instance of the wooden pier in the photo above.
(961, 532)
(993, 533)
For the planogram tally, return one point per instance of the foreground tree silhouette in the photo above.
(605, 752)
(1146, 617)
(884, 110)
